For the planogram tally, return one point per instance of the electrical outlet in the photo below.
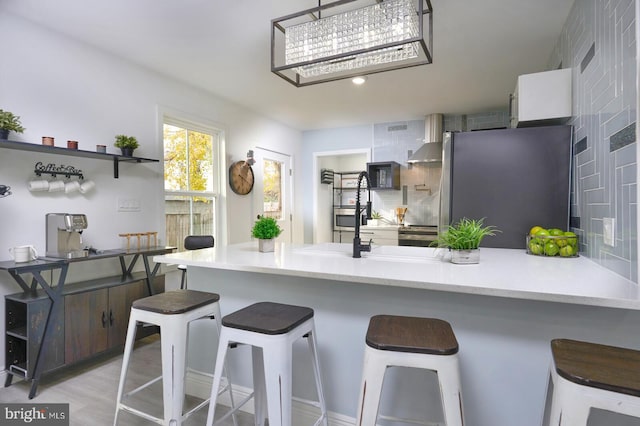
(608, 231)
(128, 204)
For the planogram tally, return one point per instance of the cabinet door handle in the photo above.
(110, 317)
(104, 319)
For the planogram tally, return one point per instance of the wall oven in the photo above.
(344, 218)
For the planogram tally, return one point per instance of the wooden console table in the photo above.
(35, 318)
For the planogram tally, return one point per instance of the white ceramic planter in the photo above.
(465, 256)
(266, 246)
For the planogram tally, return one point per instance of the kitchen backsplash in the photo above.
(420, 191)
(599, 44)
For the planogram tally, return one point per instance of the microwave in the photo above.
(344, 219)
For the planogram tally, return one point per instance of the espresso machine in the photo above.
(64, 235)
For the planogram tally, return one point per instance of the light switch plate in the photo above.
(608, 231)
(128, 204)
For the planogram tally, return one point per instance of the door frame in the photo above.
(316, 178)
(289, 201)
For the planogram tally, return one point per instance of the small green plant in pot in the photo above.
(376, 217)
(464, 238)
(127, 144)
(266, 229)
(9, 122)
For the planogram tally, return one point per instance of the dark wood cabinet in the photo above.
(120, 300)
(97, 320)
(61, 323)
(85, 317)
(26, 318)
(93, 319)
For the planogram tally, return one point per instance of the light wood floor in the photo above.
(91, 388)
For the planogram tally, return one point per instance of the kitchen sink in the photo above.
(378, 252)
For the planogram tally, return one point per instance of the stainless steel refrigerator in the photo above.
(513, 178)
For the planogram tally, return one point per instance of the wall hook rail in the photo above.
(54, 170)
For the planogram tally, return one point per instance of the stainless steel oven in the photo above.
(344, 219)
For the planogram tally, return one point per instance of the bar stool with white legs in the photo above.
(172, 311)
(399, 341)
(271, 329)
(588, 375)
(194, 242)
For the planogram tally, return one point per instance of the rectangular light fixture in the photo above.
(348, 38)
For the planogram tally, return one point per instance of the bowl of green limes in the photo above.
(552, 242)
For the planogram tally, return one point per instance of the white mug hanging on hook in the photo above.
(38, 185)
(87, 186)
(71, 186)
(56, 186)
(23, 254)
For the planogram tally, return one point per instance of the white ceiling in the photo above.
(222, 46)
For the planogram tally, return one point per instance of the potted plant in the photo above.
(375, 219)
(266, 229)
(126, 144)
(9, 122)
(463, 239)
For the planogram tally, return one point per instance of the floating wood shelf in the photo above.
(45, 149)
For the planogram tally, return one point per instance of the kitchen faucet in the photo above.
(357, 246)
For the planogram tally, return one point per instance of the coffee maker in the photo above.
(64, 235)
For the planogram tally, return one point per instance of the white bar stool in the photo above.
(270, 328)
(397, 341)
(588, 375)
(172, 311)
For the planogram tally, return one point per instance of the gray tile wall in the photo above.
(599, 43)
(393, 142)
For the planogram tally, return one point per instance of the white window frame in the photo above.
(218, 134)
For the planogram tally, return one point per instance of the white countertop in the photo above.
(501, 272)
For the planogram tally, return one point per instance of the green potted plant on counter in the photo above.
(9, 122)
(375, 220)
(463, 239)
(127, 144)
(266, 229)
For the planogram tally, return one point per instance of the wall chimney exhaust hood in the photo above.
(431, 150)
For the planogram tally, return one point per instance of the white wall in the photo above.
(68, 90)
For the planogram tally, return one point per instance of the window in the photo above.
(272, 189)
(191, 177)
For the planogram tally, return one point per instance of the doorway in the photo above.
(323, 198)
(272, 189)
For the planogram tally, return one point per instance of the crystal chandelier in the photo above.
(348, 38)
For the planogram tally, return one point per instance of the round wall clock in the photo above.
(241, 177)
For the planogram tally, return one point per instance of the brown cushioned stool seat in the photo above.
(268, 318)
(599, 366)
(589, 375)
(411, 334)
(411, 342)
(176, 302)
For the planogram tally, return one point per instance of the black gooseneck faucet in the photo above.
(357, 246)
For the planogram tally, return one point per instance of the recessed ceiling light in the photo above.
(359, 80)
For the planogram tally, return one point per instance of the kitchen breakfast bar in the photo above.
(504, 311)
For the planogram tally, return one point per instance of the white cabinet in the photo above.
(541, 98)
(380, 235)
